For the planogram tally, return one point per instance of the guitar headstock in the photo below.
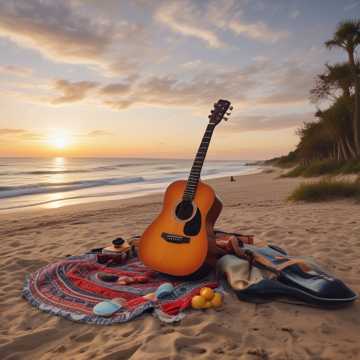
(221, 108)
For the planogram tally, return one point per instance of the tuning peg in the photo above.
(225, 118)
(209, 116)
(231, 107)
(228, 113)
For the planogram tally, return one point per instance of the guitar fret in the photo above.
(194, 176)
(191, 184)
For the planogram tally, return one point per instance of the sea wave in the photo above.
(47, 188)
(73, 171)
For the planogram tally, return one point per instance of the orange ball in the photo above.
(207, 293)
(198, 302)
(216, 300)
(207, 305)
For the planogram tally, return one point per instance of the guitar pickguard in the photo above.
(193, 226)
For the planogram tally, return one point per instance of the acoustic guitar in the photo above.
(180, 239)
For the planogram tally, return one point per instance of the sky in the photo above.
(139, 78)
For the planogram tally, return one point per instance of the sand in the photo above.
(253, 204)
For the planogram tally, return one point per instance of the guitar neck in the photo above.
(195, 172)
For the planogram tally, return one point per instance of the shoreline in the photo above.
(90, 199)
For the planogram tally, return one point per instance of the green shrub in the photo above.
(295, 172)
(326, 189)
(324, 167)
(351, 167)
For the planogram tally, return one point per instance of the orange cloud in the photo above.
(12, 133)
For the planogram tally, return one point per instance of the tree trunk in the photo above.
(349, 147)
(356, 116)
(343, 150)
(338, 151)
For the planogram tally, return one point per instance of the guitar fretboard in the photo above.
(195, 172)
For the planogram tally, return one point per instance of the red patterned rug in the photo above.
(72, 287)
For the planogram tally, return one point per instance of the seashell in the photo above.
(106, 308)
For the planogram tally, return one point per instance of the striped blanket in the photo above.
(72, 287)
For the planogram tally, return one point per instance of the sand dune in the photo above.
(254, 204)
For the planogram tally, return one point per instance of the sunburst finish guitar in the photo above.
(180, 239)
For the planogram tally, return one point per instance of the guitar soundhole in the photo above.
(184, 210)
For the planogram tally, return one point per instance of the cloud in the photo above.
(60, 32)
(244, 123)
(202, 89)
(257, 31)
(96, 133)
(15, 70)
(6, 131)
(23, 134)
(294, 14)
(288, 83)
(183, 17)
(203, 21)
(261, 83)
(351, 6)
(116, 89)
(72, 91)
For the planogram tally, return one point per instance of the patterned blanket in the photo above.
(72, 287)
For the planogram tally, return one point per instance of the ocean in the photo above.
(54, 182)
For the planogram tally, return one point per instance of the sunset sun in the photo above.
(59, 141)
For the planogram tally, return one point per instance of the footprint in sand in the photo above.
(188, 345)
(84, 338)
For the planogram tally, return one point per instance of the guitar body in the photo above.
(181, 238)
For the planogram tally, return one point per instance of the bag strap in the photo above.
(256, 258)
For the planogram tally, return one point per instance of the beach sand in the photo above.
(253, 204)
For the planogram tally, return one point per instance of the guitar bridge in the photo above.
(177, 239)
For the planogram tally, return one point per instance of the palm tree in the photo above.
(337, 80)
(347, 37)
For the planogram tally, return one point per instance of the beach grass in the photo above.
(326, 189)
(324, 167)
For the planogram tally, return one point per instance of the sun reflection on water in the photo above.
(55, 200)
(59, 176)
